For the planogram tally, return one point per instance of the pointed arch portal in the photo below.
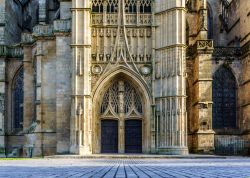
(122, 108)
(121, 104)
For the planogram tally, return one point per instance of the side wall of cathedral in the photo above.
(228, 27)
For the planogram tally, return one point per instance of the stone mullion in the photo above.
(121, 130)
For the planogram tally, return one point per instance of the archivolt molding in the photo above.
(123, 71)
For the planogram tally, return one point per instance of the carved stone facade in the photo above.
(125, 76)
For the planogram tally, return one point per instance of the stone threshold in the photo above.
(139, 156)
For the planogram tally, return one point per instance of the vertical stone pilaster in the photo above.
(63, 78)
(81, 126)
(203, 138)
(170, 77)
(2, 106)
(29, 90)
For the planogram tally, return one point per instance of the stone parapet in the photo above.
(62, 26)
(226, 52)
(43, 31)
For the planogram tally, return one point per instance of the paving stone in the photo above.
(126, 168)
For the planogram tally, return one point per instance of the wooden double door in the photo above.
(132, 136)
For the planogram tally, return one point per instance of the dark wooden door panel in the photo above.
(109, 136)
(133, 136)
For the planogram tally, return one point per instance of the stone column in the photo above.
(81, 108)
(170, 76)
(2, 106)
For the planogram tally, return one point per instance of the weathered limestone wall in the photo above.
(63, 92)
(2, 21)
(13, 22)
(29, 87)
(244, 10)
(244, 96)
(170, 68)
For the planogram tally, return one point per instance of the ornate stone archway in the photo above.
(122, 102)
(121, 97)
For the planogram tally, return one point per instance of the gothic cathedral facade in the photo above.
(124, 76)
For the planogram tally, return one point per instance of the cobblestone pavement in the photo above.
(119, 168)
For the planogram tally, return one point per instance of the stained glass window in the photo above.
(224, 99)
(17, 94)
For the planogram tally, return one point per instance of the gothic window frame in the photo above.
(17, 114)
(209, 22)
(132, 103)
(220, 97)
(131, 6)
(146, 6)
(97, 6)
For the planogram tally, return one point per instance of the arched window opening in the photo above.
(130, 6)
(17, 99)
(145, 6)
(97, 6)
(112, 6)
(224, 99)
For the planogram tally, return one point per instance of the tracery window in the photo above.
(112, 6)
(224, 99)
(97, 6)
(121, 97)
(130, 6)
(17, 96)
(145, 6)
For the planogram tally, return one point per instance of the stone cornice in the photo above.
(200, 47)
(218, 53)
(11, 51)
(171, 9)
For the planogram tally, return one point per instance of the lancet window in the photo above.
(17, 98)
(131, 6)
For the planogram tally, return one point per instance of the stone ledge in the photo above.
(138, 156)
